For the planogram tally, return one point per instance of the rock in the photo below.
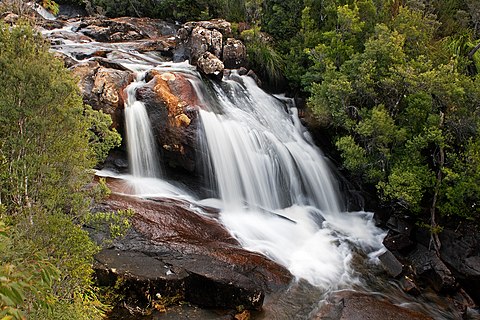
(427, 265)
(215, 24)
(204, 40)
(173, 250)
(151, 28)
(254, 76)
(391, 264)
(409, 286)
(244, 315)
(68, 62)
(11, 18)
(108, 30)
(234, 54)
(210, 65)
(68, 35)
(400, 225)
(398, 242)
(242, 71)
(85, 72)
(103, 88)
(170, 100)
(109, 85)
(461, 252)
(349, 305)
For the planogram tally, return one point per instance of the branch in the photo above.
(472, 52)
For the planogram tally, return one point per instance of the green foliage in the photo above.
(262, 56)
(101, 138)
(115, 224)
(45, 166)
(400, 106)
(43, 129)
(51, 6)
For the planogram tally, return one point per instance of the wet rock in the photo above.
(391, 264)
(461, 252)
(244, 315)
(400, 225)
(398, 242)
(68, 35)
(68, 61)
(173, 250)
(170, 100)
(108, 30)
(234, 54)
(348, 305)
(242, 71)
(427, 265)
(210, 65)
(254, 76)
(409, 286)
(151, 28)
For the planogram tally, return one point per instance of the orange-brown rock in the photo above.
(171, 103)
(351, 305)
(173, 250)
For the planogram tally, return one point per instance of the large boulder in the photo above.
(204, 40)
(103, 88)
(234, 54)
(427, 265)
(171, 103)
(210, 65)
(196, 39)
(221, 25)
(173, 250)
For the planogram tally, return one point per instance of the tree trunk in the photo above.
(434, 239)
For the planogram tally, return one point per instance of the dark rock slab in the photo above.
(427, 265)
(391, 264)
(461, 252)
(173, 250)
(398, 242)
(350, 305)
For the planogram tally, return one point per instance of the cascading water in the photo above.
(277, 191)
(142, 151)
(276, 194)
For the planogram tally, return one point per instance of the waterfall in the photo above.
(142, 151)
(279, 197)
(260, 158)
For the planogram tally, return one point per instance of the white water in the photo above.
(278, 195)
(142, 151)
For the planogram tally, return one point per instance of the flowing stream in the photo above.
(278, 195)
(274, 188)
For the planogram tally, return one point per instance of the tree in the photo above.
(45, 166)
(404, 113)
